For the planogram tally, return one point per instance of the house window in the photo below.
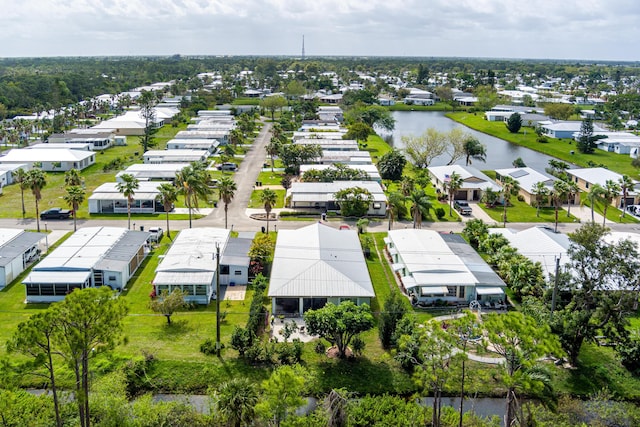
(377, 206)
(586, 185)
(237, 272)
(224, 269)
(112, 278)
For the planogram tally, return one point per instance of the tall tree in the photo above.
(226, 192)
(558, 194)
(74, 198)
(147, 102)
(268, 198)
(540, 191)
(353, 201)
(572, 191)
(36, 180)
(339, 324)
(90, 323)
(273, 148)
(625, 184)
(192, 184)
(72, 177)
(20, 176)
(168, 196)
(421, 150)
(235, 400)
(394, 308)
(474, 149)
(420, 206)
(587, 141)
(521, 341)
(34, 338)
(595, 195)
(127, 187)
(454, 184)
(510, 187)
(391, 165)
(514, 123)
(282, 394)
(611, 191)
(272, 104)
(396, 206)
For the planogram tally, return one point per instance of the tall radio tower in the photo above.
(303, 47)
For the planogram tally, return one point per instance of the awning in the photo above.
(409, 282)
(434, 290)
(387, 240)
(490, 291)
(397, 266)
(393, 251)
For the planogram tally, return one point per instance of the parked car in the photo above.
(462, 207)
(56, 213)
(227, 166)
(156, 234)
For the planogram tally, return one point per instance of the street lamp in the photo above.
(217, 255)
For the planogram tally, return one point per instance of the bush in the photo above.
(290, 353)
(520, 198)
(208, 347)
(357, 345)
(320, 348)
(241, 340)
(440, 213)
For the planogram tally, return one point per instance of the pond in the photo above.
(500, 153)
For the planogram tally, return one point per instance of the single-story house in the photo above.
(330, 113)
(330, 144)
(130, 123)
(221, 135)
(434, 266)
(107, 199)
(618, 142)
(317, 264)
(587, 177)
(321, 195)
(497, 116)
(190, 264)
(91, 257)
(234, 264)
(370, 169)
(564, 129)
(538, 244)
(209, 145)
(419, 100)
(18, 249)
(153, 171)
(97, 139)
(50, 159)
(527, 179)
(330, 157)
(7, 171)
(175, 156)
(306, 134)
(85, 146)
(474, 182)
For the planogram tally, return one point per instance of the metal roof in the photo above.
(123, 251)
(22, 241)
(472, 178)
(319, 261)
(527, 177)
(60, 277)
(236, 252)
(147, 190)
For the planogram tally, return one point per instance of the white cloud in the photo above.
(587, 29)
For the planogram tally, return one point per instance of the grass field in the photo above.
(255, 203)
(559, 148)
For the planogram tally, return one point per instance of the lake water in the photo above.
(500, 153)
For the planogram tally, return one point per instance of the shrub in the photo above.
(440, 213)
(520, 198)
(357, 345)
(320, 348)
(241, 340)
(208, 347)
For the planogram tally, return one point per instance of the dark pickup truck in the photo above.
(56, 213)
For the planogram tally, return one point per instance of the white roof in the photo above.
(190, 259)
(179, 155)
(527, 177)
(595, 175)
(200, 134)
(66, 277)
(8, 234)
(147, 190)
(472, 177)
(45, 155)
(569, 126)
(489, 291)
(539, 245)
(325, 190)
(429, 260)
(319, 261)
(370, 169)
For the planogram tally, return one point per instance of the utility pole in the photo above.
(218, 299)
(555, 286)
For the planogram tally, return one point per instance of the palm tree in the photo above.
(268, 198)
(626, 184)
(540, 191)
(407, 185)
(192, 184)
(420, 205)
(36, 179)
(558, 193)
(594, 195)
(168, 196)
(74, 198)
(396, 206)
(226, 191)
(235, 400)
(574, 190)
(611, 191)
(474, 149)
(273, 148)
(20, 176)
(72, 177)
(510, 187)
(127, 187)
(454, 184)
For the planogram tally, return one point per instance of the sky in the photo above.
(544, 29)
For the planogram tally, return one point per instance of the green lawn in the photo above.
(523, 212)
(94, 176)
(559, 148)
(439, 106)
(613, 214)
(376, 146)
(255, 199)
(271, 178)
